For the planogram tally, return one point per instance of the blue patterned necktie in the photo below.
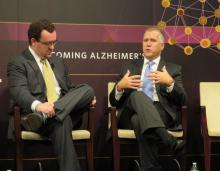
(148, 84)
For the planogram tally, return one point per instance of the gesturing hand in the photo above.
(133, 82)
(161, 77)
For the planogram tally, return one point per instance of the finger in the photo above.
(135, 77)
(136, 84)
(134, 87)
(127, 73)
(164, 68)
(152, 75)
(136, 81)
(154, 71)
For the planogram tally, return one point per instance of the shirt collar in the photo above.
(35, 55)
(156, 60)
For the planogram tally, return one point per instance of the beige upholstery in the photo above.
(210, 98)
(177, 134)
(28, 135)
(76, 135)
(127, 133)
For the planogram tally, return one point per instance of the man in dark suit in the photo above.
(49, 104)
(148, 95)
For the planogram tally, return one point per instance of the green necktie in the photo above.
(52, 95)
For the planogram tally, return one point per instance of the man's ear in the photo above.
(162, 46)
(33, 41)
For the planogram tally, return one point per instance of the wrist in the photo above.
(170, 82)
(37, 109)
(118, 87)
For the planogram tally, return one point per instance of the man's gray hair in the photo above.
(161, 36)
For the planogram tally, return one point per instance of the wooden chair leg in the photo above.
(116, 155)
(19, 156)
(207, 157)
(89, 153)
(183, 162)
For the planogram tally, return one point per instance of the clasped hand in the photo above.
(47, 108)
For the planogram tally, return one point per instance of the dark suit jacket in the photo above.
(171, 102)
(26, 82)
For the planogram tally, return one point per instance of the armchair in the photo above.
(210, 109)
(122, 136)
(21, 137)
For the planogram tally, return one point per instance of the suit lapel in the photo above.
(31, 61)
(139, 66)
(161, 64)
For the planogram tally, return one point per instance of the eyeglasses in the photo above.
(48, 43)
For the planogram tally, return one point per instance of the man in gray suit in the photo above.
(148, 95)
(49, 104)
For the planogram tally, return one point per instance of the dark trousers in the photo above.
(145, 116)
(68, 110)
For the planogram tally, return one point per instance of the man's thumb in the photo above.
(127, 73)
(164, 68)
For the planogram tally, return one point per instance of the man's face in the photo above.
(45, 46)
(152, 45)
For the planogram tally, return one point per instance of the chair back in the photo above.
(210, 99)
(110, 88)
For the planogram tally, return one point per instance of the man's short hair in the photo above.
(37, 27)
(161, 36)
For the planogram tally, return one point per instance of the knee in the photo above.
(134, 121)
(89, 90)
(136, 95)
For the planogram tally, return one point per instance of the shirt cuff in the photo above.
(170, 88)
(118, 94)
(34, 105)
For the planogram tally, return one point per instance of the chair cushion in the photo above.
(177, 134)
(129, 134)
(29, 135)
(76, 135)
(80, 134)
(210, 98)
(126, 133)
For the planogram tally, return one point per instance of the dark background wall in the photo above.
(99, 27)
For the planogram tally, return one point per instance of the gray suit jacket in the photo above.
(26, 82)
(171, 102)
